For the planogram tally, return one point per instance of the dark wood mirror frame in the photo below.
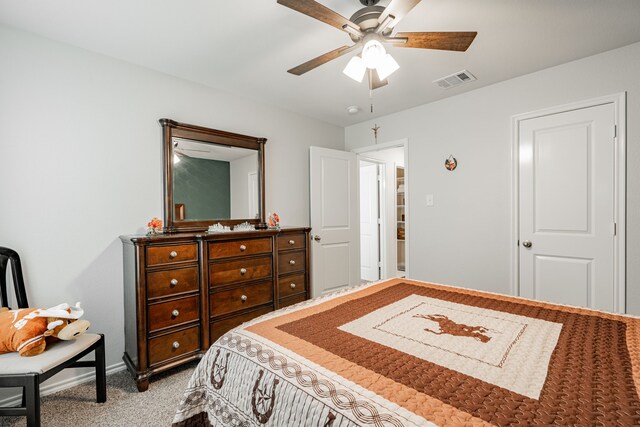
(171, 129)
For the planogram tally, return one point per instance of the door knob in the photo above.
(317, 238)
(527, 244)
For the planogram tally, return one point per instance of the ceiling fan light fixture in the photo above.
(370, 27)
(386, 67)
(373, 53)
(355, 69)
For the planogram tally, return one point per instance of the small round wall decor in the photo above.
(451, 163)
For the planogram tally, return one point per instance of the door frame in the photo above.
(404, 143)
(619, 101)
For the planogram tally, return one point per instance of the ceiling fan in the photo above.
(370, 28)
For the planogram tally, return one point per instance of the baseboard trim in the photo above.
(54, 387)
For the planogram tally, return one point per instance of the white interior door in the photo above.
(335, 255)
(254, 211)
(566, 205)
(369, 222)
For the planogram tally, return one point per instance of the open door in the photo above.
(335, 254)
(369, 221)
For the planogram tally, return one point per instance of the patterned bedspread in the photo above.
(408, 353)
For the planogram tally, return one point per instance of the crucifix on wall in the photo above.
(375, 129)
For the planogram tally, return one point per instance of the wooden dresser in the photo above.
(184, 291)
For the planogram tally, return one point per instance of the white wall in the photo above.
(81, 164)
(393, 155)
(465, 238)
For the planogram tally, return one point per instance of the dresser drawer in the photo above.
(240, 298)
(291, 285)
(285, 302)
(291, 261)
(171, 254)
(220, 327)
(240, 270)
(291, 241)
(169, 282)
(172, 313)
(173, 345)
(239, 248)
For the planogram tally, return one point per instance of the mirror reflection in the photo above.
(212, 181)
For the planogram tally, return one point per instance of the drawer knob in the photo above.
(243, 248)
(243, 271)
(292, 242)
(292, 286)
(175, 344)
(175, 313)
(173, 254)
(243, 298)
(174, 282)
(292, 262)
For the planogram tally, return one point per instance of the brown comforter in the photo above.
(408, 353)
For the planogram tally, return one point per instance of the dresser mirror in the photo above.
(211, 176)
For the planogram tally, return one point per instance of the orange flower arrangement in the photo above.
(154, 226)
(273, 221)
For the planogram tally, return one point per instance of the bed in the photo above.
(408, 353)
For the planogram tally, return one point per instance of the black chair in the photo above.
(29, 372)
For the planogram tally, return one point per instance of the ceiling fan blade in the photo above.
(374, 80)
(398, 9)
(321, 13)
(458, 41)
(322, 59)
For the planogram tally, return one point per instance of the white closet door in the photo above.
(369, 222)
(567, 207)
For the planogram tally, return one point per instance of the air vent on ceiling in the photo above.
(455, 79)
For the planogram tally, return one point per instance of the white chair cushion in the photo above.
(55, 354)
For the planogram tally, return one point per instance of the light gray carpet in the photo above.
(77, 407)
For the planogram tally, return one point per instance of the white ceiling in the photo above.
(205, 150)
(245, 46)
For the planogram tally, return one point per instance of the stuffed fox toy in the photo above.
(28, 330)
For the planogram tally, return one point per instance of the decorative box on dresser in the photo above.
(184, 291)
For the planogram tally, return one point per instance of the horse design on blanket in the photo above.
(449, 327)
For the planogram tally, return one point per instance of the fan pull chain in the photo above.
(371, 98)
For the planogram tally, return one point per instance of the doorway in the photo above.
(334, 215)
(383, 211)
(569, 204)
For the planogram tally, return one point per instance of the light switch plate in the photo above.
(429, 199)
